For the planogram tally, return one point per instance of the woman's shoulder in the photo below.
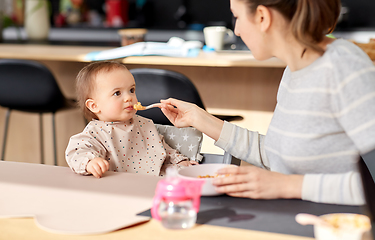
(345, 59)
(343, 51)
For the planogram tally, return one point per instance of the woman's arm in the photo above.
(243, 144)
(337, 188)
(251, 182)
(257, 183)
(184, 114)
(239, 142)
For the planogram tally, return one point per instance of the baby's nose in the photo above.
(127, 98)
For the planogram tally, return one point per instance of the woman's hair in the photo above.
(85, 83)
(310, 20)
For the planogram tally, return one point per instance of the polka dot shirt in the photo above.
(134, 146)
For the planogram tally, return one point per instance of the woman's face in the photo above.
(247, 27)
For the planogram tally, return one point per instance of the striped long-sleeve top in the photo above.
(323, 120)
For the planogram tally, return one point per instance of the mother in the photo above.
(325, 114)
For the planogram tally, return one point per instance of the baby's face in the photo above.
(115, 96)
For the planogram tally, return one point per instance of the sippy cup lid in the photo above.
(176, 189)
(173, 187)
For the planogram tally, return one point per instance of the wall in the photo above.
(163, 14)
(157, 14)
(361, 14)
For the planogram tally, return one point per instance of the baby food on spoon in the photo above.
(139, 106)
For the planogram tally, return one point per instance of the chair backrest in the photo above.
(366, 165)
(188, 140)
(28, 86)
(155, 84)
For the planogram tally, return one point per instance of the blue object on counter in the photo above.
(196, 26)
(175, 47)
(208, 49)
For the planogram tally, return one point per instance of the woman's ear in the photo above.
(263, 17)
(91, 105)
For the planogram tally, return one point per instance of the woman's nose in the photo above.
(236, 32)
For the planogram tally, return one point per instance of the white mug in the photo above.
(216, 36)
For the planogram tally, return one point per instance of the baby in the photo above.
(116, 139)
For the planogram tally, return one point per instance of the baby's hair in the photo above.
(85, 83)
(310, 20)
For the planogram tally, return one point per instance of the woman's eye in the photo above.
(118, 93)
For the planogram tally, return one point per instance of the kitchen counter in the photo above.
(49, 52)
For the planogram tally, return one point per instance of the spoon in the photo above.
(309, 219)
(138, 106)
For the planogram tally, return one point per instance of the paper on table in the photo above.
(175, 47)
(67, 203)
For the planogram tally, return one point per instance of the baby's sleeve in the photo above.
(81, 149)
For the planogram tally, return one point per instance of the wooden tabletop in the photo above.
(26, 192)
(78, 53)
(47, 52)
(25, 228)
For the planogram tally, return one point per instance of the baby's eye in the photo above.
(132, 90)
(117, 93)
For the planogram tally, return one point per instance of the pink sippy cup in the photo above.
(176, 201)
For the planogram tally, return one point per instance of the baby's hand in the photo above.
(187, 163)
(97, 167)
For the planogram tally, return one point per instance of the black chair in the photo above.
(29, 86)
(155, 84)
(366, 165)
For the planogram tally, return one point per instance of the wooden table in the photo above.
(46, 181)
(24, 228)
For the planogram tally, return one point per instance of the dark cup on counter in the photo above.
(132, 35)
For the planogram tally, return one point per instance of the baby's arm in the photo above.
(187, 163)
(97, 167)
(81, 149)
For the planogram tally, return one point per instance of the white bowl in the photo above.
(345, 226)
(194, 171)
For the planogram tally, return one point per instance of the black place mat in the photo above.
(277, 216)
